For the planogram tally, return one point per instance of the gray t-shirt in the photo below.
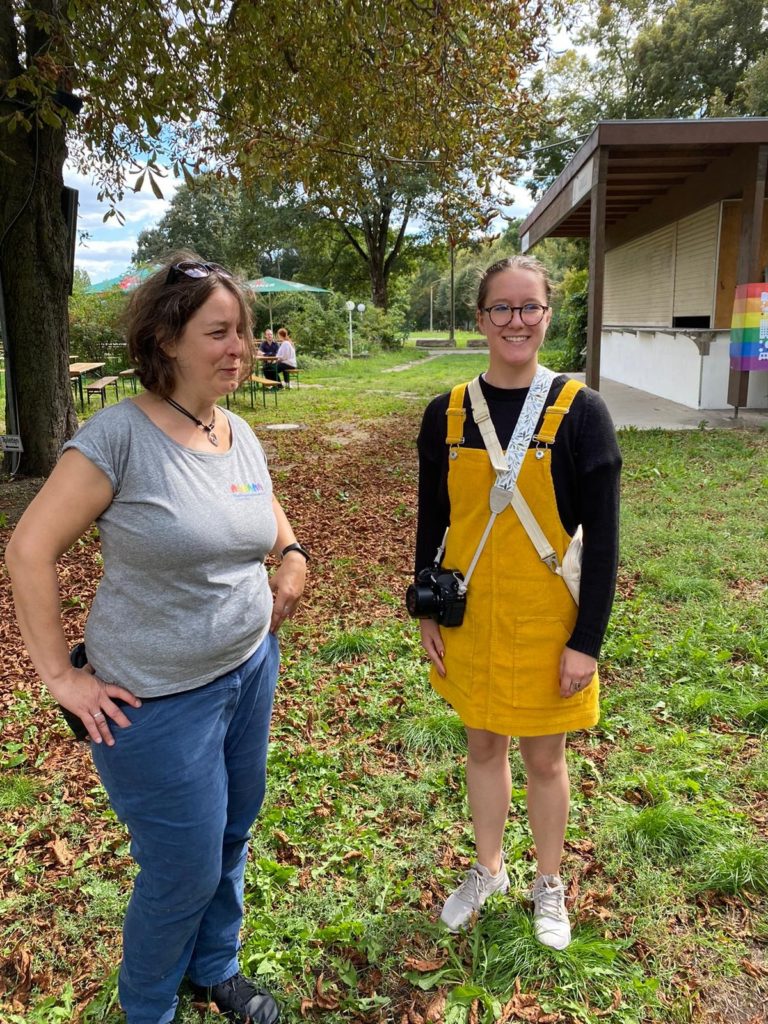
(184, 597)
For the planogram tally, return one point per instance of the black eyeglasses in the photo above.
(189, 268)
(501, 314)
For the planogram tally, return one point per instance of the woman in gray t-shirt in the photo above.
(181, 638)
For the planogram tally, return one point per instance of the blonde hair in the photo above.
(518, 262)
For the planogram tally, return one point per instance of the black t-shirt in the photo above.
(586, 467)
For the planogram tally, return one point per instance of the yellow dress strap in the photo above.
(456, 414)
(555, 414)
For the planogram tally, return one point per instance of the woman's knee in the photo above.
(544, 757)
(486, 747)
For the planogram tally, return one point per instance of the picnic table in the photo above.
(79, 370)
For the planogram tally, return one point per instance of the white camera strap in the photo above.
(507, 466)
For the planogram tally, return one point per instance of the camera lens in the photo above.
(420, 600)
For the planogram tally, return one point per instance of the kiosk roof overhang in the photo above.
(656, 171)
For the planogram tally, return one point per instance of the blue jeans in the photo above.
(188, 779)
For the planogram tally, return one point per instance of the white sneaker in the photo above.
(550, 919)
(470, 896)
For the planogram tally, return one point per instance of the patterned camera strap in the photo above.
(505, 491)
(509, 465)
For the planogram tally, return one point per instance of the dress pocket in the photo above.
(538, 644)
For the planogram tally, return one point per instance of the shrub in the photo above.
(385, 328)
(95, 334)
(569, 325)
(318, 328)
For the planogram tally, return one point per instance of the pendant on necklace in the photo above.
(212, 436)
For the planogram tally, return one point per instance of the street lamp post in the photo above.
(350, 309)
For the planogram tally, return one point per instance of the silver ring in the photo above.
(99, 714)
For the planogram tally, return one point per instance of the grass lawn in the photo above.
(365, 824)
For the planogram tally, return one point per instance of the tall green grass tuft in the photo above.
(506, 949)
(664, 831)
(754, 714)
(349, 645)
(732, 870)
(17, 791)
(435, 734)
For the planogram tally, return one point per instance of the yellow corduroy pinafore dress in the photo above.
(502, 664)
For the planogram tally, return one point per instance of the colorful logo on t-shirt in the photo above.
(246, 490)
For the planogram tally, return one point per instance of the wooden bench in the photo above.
(263, 385)
(293, 371)
(99, 387)
(128, 375)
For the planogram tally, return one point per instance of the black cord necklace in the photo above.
(206, 427)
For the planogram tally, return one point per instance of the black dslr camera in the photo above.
(436, 595)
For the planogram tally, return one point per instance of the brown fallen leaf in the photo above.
(435, 1008)
(61, 852)
(754, 970)
(423, 966)
(21, 959)
(615, 1003)
(324, 1001)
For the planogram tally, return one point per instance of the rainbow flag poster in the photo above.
(749, 328)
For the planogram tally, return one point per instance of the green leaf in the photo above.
(155, 187)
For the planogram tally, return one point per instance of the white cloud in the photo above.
(108, 249)
(522, 202)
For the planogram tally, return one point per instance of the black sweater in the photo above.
(586, 466)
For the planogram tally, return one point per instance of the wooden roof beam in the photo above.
(722, 180)
(663, 154)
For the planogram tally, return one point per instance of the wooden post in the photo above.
(596, 269)
(749, 269)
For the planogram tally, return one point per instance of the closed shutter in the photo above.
(639, 281)
(695, 263)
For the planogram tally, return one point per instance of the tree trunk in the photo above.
(379, 282)
(34, 267)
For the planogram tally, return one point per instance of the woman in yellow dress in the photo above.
(523, 662)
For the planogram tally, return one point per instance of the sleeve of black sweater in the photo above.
(586, 467)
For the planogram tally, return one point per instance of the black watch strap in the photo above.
(295, 547)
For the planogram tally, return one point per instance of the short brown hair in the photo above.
(282, 333)
(513, 263)
(158, 313)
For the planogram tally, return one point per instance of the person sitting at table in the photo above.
(286, 357)
(269, 347)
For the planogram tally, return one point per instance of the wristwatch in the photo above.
(295, 547)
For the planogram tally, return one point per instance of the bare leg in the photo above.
(548, 797)
(488, 789)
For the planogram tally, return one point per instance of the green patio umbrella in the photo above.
(126, 281)
(269, 285)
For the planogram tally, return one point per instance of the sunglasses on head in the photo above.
(190, 268)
